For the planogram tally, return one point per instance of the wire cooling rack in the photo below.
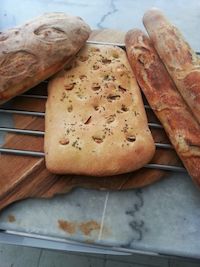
(20, 152)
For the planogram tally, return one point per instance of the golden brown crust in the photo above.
(37, 50)
(165, 100)
(95, 119)
(180, 60)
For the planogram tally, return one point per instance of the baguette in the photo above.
(35, 51)
(165, 100)
(180, 60)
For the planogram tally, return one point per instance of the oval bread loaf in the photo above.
(35, 51)
(180, 60)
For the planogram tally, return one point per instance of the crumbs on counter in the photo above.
(87, 227)
(69, 227)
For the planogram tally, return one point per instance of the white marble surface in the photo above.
(164, 217)
(116, 14)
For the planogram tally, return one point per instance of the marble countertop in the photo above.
(115, 14)
(162, 218)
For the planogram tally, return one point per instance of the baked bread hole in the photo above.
(96, 87)
(96, 107)
(106, 61)
(81, 96)
(131, 138)
(110, 118)
(70, 108)
(95, 67)
(115, 54)
(82, 77)
(69, 86)
(88, 120)
(63, 96)
(122, 89)
(111, 97)
(106, 77)
(64, 141)
(97, 139)
(124, 108)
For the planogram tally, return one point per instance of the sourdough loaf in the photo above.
(38, 49)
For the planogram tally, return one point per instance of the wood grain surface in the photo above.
(24, 176)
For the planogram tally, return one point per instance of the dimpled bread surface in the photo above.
(95, 120)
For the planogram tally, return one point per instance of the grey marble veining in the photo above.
(164, 217)
(116, 14)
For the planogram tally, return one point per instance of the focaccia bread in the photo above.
(95, 119)
(165, 100)
(33, 52)
(180, 60)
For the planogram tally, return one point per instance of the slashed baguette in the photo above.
(180, 60)
(33, 52)
(165, 100)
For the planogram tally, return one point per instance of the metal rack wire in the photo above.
(21, 152)
(41, 133)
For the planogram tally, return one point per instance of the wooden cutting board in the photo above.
(24, 176)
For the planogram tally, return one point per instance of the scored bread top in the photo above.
(38, 49)
(182, 63)
(95, 119)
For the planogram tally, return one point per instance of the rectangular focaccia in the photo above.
(95, 119)
(165, 100)
(180, 60)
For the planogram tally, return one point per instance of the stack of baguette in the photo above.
(95, 119)
(168, 72)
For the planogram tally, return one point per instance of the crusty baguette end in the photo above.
(165, 100)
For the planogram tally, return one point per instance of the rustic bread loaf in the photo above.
(165, 100)
(38, 49)
(95, 120)
(180, 60)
